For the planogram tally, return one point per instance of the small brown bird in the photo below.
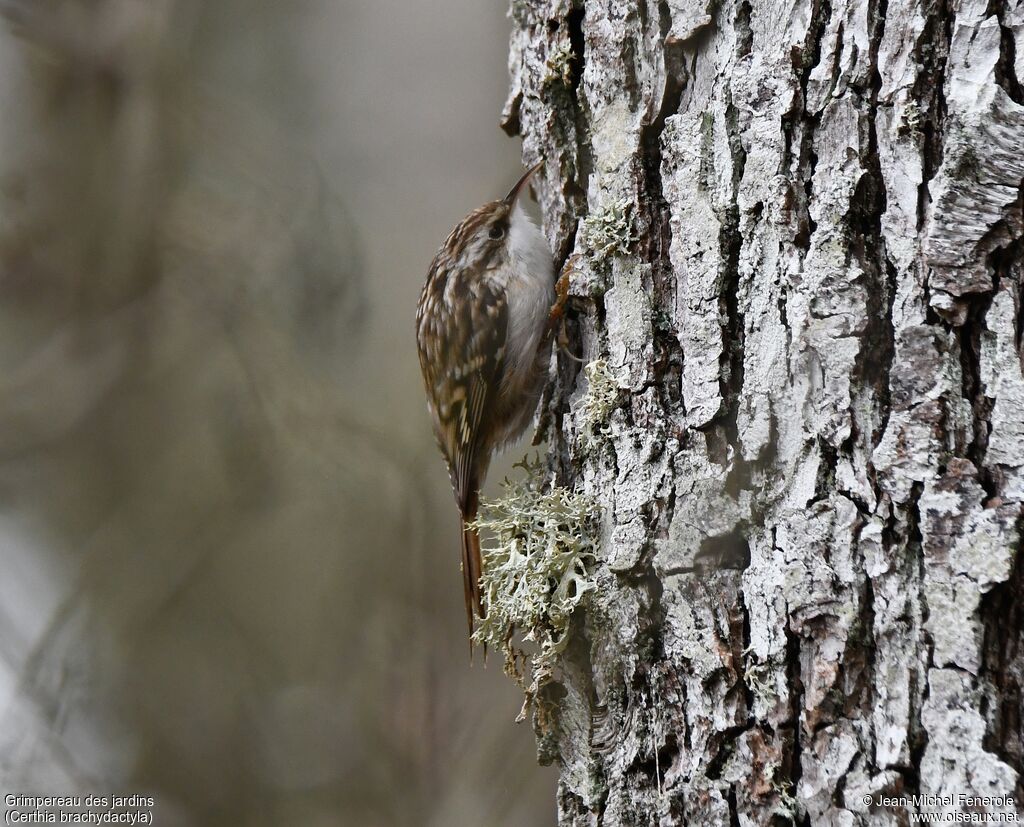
(483, 327)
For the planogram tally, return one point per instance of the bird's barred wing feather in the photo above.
(462, 350)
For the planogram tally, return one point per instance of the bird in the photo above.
(484, 326)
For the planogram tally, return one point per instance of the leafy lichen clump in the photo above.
(538, 562)
(788, 806)
(911, 118)
(598, 402)
(559, 66)
(609, 231)
(755, 676)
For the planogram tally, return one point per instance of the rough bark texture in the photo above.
(813, 475)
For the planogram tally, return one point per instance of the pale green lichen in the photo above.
(788, 807)
(754, 676)
(558, 66)
(609, 231)
(911, 121)
(539, 554)
(601, 397)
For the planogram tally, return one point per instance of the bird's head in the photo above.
(488, 236)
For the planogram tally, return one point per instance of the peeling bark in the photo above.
(812, 482)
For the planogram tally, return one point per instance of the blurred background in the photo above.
(228, 549)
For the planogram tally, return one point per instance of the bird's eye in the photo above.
(496, 232)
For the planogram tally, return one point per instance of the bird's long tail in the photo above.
(472, 566)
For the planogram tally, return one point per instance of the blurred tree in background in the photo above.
(229, 567)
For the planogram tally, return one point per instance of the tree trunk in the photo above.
(794, 232)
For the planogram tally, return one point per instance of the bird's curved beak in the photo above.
(510, 199)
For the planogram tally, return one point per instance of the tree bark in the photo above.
(794, 231)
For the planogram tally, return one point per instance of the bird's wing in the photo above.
(462, 352)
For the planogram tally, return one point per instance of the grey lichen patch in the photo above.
(961, 151)
(609, 231)
(539, 557)
(520, 12)
(598, 402)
